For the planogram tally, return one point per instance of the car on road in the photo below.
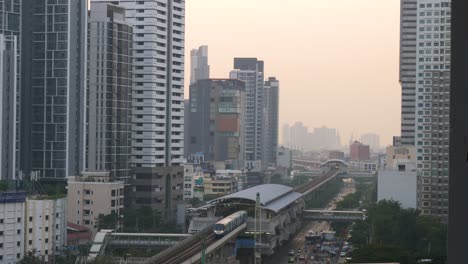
(291, 252)
(343, 254)
(301, 257)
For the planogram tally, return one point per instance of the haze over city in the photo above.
(306, 44)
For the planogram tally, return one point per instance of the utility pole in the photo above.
(203, 253)
(258, 231)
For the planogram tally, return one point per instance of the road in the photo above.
(298, 241)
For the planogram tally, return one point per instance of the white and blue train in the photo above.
(229, 223)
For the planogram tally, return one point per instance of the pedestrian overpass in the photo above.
(333, 215)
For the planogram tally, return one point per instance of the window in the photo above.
(30, 219)
(19, 219)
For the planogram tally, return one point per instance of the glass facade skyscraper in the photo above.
(53, 87)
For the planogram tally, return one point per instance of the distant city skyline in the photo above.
(359, 99)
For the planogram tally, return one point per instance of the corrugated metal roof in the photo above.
(281, 203)
(272, 196)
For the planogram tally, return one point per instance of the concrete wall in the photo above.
(87, 200)
(400, 186)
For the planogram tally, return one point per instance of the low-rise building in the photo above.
(12, 217)
(284, 158)
(31, 223)
(77, 235)
(92, 194)
(219, 185)
(368, 166)
(398, 178)
(399, 184)
(359, 151)
(398, 154)
(45, 226)
(193, 182)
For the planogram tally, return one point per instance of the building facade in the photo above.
(92, 194)
(10, 63)
(216, 121)
(285, 135)
(45, 226)
(407, 72)
(359, 151)
(53, 87)
(324, 138)
(371, 139)
(433, 104)
(199, 68)
(8, 105)
(158, 102)
(109, 96)
(193, 182)
(397, 154)
(12, 221)
(298, 136)
(251, 71)
(271, 106)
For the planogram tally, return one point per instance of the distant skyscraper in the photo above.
(408, 32)
(433, 104)
(158, 102)
(186, 127)
(110, 52)
(285, 136)
(53, 87)
(371, 139)
(8, 104)
(251, 71)
(271, 105)
(325, 138)
(299, 136)
(199, 68)
(216, 120)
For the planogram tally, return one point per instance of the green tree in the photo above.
(143, 219)
(3, 185)
(109, 221)
(382, 253)
(32, 257)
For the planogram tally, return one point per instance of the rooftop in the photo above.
(274, 197)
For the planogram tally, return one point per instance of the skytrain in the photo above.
(229, 223)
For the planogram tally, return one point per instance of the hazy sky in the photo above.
(337, 60)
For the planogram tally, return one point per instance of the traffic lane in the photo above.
(298, 241)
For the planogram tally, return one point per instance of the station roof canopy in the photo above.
(274, 197)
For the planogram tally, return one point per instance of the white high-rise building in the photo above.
(158, 101)
(432, 104)
(251, 71)
(199, 68)
(408, 16)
